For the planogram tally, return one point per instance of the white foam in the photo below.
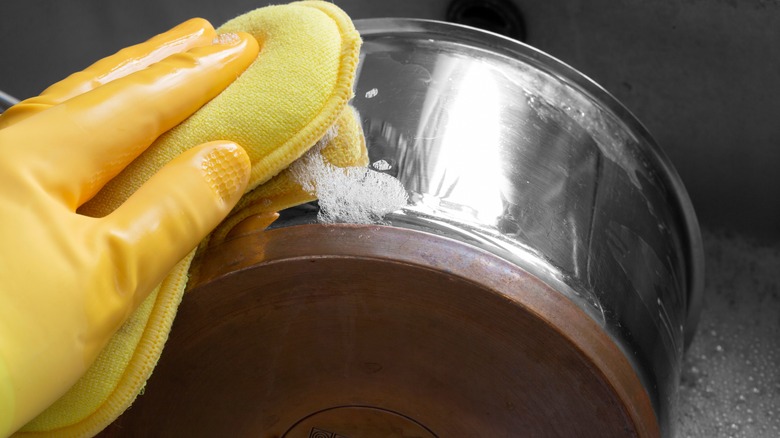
(381, 165)
(354, 195)
(731, 380)
(370, 94)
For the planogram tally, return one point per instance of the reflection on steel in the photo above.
(507, 149)
(6, 101)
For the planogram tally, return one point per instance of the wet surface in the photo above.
(731, 378)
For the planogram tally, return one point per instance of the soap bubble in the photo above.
(356, 195)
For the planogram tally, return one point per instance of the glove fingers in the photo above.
(192, 33)
(122, 118)
(174, 210)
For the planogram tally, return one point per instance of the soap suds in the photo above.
(355, 195)
(381, 165)
(730, 384)
(370, 94)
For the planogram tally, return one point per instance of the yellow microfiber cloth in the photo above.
(294, 94)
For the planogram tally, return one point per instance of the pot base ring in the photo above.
(360, 331)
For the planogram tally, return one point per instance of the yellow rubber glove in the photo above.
(68, 281)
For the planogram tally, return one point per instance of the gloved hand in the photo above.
(68, 281)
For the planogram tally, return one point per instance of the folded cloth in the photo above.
(283, 104)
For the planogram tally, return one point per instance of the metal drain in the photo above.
(498, 16)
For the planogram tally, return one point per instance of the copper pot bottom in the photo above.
(370, 331)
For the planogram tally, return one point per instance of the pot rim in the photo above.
(693, 245)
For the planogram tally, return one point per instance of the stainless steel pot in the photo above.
(544, 279)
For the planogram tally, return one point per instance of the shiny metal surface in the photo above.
(324, 325)
(507, 149)
(7, 101)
